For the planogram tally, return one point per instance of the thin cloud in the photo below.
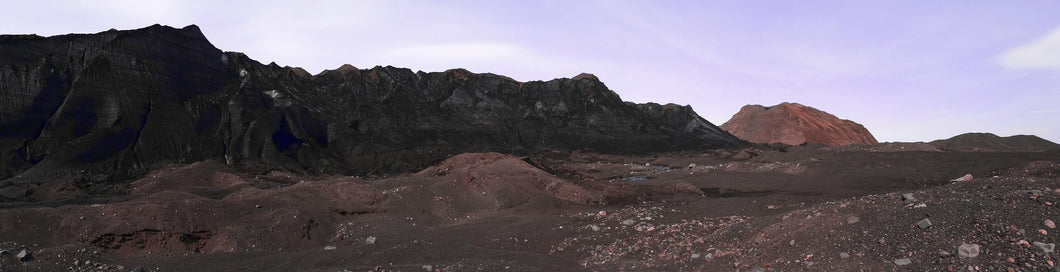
(1042, 53)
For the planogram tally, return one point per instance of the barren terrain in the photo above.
(797, 208)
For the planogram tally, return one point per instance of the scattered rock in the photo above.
(428, 268)
(691, 165)
(966, 250)
(966, 177)
(1050, 224)
(595, 228)
(370, 240)
(26, 256)
(4, 252)
(923, 224)
(1043, 232)
(330, 248)
(1044, 247)
(853, 219)
(792, 243)
(904, 261)
(844, 255)
(695, 256)
(908, 198)
(257, 206)
(628, 222)
(602, 213)
(945, 254)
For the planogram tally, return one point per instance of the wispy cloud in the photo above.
(1042, 53)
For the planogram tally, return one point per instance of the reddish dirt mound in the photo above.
(978, 142)
(795, 124)
(200, 176)
(478, 184)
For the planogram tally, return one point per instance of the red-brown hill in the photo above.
(795, 124)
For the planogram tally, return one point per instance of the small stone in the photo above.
(1050, 224)
(792, 243)
(595, 228)
(24, 256)
(923, 224)
(691, 165)
(1043, 232)
(370, 240)
(904, 261)
(695, 256)
(4, 252)
(944, 253)
(966, 177)
(966, 250)
(853, 219)
(1044, 247)
(844, 255)
(330, 248)
(908, 198)
(628, 222)
(602, 213)
(428, 268)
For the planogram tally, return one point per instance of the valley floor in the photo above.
(739, 210)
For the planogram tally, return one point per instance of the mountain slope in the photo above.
(111, 105)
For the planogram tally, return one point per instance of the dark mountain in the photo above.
(795, 124)
(114, 104)
(993, 143)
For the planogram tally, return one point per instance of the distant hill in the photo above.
(991, 142)
(795, 124)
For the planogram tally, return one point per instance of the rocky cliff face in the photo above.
(795, 124)
(109, 105)
(990, 142)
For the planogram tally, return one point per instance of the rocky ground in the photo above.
(767, 209)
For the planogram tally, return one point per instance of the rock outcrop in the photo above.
(795, 124)
(115, 104)
(993, 143)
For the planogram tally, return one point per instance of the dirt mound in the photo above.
(207, 176)
(795, 124)
(477, 184)
(979, 142)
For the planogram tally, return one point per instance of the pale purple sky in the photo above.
(907, 70)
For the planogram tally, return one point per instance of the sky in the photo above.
(906, 70)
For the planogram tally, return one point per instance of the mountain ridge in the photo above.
(114, 104)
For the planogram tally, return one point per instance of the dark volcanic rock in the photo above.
(795, 124)
(991, 143)
(111, 105)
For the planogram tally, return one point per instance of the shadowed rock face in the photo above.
(993, 143)
(111, 105)
(795, 124)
